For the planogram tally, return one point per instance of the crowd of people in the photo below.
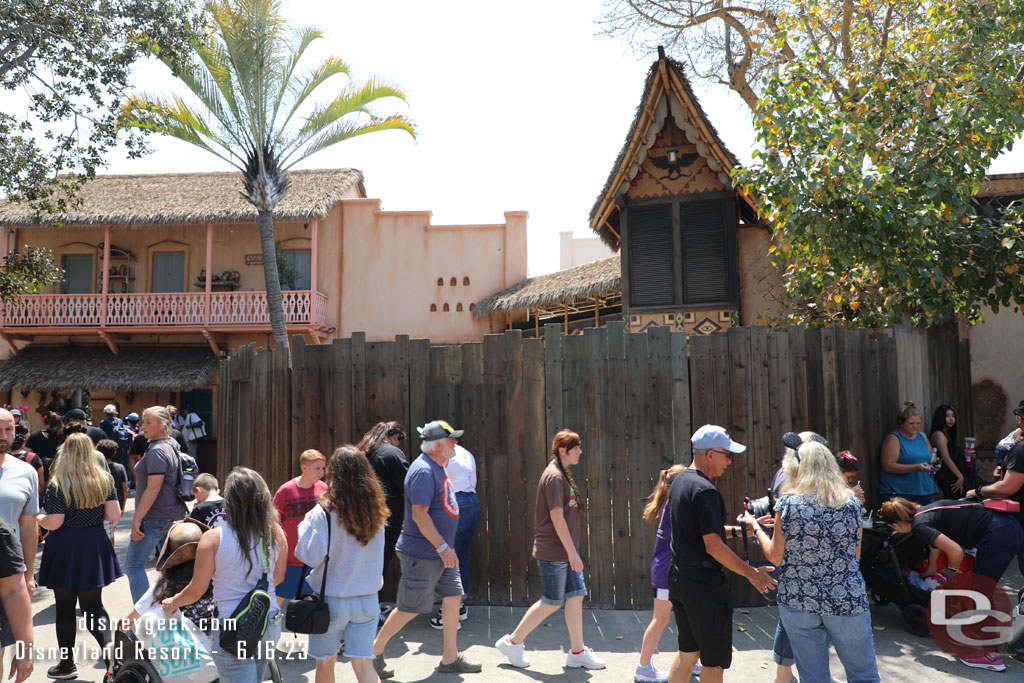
(334, 531)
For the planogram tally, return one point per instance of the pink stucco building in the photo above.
(171, 263)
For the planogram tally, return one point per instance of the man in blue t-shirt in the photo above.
(430, 567)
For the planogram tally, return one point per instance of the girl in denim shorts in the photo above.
(556, 547)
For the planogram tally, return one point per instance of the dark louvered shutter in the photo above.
(651, 282)
(705, 252)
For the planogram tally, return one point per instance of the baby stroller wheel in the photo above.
(915, 619)
(273, 673)
(136, 672)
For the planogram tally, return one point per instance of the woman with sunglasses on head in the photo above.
(816, 544)
(382, 445)
(949, 526)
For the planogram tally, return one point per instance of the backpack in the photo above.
(188, 470)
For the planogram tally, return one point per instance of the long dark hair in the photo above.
(379, 434)
(250, 511)
(355, 494)
(939, 423)
(568, 440)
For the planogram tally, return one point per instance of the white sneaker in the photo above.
(649, 674)
(516, 654)
(585, 659)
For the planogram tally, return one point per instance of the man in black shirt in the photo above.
(697, 588)
(45, 442)
(1011, 485)
(77, 416)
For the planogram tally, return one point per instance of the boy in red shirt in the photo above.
(293, 500)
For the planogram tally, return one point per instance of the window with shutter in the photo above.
(651, 281)
(705, 248)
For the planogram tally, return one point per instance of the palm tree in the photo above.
(245, 75)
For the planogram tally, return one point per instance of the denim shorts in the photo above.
(560, 583)
(353, 619)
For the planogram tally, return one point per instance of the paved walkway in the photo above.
(615, 635)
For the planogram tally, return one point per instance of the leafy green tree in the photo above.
(245, 76)
(869, 179)
(877, 120)
(73, 59)
(27, 271)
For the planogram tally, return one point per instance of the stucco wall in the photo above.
(996, 356)
(396, 265)
(760, 282)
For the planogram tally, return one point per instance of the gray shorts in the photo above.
(424, 581)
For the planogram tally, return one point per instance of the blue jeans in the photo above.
(249, 670)
(1003, 539)
(782, 651)
(852, 637)
(139, 553)
(469, 517)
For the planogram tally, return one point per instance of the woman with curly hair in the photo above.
(78, 560)
(343, 537)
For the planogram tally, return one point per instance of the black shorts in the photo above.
(703, 611)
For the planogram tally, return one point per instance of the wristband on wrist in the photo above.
(441, 548)
(978, 492)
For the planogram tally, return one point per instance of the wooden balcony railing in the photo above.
(179, 309)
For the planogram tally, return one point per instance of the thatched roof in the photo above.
(597, 279)
(137, 200)
(134, 368)
(666, 76)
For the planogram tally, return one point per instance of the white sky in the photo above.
(519, 106)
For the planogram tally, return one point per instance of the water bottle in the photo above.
(936, 460)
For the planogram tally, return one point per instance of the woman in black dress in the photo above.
(78, 559)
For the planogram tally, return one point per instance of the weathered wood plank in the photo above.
(518, 537)
(635, 420)
(498, 490)
(615, 446)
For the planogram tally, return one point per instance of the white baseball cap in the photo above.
(713, 436)
(110, 409)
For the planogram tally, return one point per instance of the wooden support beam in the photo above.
(9, 339)
(110, 339)
(209, 274)
(215, 339)
(106, 280)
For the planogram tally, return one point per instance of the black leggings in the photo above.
(97, 621)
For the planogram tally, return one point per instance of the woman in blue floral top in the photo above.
(817, 545)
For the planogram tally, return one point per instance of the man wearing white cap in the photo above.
(700, 598)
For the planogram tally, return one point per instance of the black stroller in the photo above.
(884, 554)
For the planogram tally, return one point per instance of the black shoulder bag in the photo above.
(309, 613)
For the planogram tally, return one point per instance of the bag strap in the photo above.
(327, 558)
(946, 507)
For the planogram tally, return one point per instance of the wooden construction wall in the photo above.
(635, 399)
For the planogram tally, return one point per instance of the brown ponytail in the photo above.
(568, 440)
(897, 510)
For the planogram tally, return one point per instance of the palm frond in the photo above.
(354, 99)
(175, 119)
(307, 84)
(302, 38)
(344, 130)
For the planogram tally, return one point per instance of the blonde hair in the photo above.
(908, 409)
(160, 414)
(817, 477)
(656, 501)
(311, 455)
(78, 476)
(897, 510)
(790, 464)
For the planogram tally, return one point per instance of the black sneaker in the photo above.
(65, 670)
(463, 613)
(436, 623)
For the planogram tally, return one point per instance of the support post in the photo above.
(209, 274)
(313, 258)
(106, 279)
